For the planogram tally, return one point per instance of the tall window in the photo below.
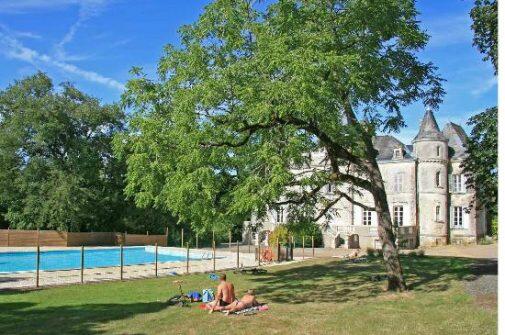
(398, 215)
(438, 180)
(457, 216)
(456, 183)
(367, 218)
(438, 151)
(437, 213)
(329, 188)
(398, 182)
(280, 214)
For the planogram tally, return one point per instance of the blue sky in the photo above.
(94, 43)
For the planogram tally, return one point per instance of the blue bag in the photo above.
(207, 295)
(194, 296)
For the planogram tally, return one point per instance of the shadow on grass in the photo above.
(339, 281)
(26, 318)
(319, 280)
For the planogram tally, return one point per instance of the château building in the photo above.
(426, 190)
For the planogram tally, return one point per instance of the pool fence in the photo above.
(53, 238)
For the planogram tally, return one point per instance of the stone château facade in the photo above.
(426, 192)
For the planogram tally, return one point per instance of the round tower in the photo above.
(431, 151)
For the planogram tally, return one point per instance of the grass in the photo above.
(321, 296)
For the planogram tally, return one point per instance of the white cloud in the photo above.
(13, 48)
(485, 86)
(449, 30)
(87, 10)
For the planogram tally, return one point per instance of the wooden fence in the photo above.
(52, 238)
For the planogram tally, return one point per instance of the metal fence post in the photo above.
(238, 257)
(278, 251)
(313, 250)
(187, 257)
(156, 259)
(82, 264)
(38, 267)
(214, 254)
(303, 247)
(259, 254)
(291, 247)
(121, 261)
(182, 237)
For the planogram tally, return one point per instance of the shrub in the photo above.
(280, 232)
(494, 226)
(370, 252)
(306, 229)
(486, 240)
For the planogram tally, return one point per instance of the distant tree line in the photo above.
(57, 167)
(482, 147)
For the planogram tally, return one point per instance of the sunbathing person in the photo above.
(247, 301)
(225, 295)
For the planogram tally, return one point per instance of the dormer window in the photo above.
(398, 153)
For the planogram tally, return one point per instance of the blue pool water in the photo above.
(71, 259)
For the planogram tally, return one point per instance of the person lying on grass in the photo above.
(225, 294)
(247, 301)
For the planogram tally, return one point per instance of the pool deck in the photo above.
(26, 280)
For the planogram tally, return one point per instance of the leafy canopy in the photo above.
(485, 26)
(254, 88)
(482, 160)
(481, 163)
(57, 169)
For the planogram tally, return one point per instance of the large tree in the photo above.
(481, 163)
(485, 26)
(57, 169)
(254, 88)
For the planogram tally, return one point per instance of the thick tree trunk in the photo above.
(396, 282)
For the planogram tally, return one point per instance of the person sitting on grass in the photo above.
(225, 295)
(247, 301)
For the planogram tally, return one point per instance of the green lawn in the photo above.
(322, 296)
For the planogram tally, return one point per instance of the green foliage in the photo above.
(57, 169)
(485, 26)
(494, 226)
(481, 164)
(254, 88)
(307, 229)
(281, 234)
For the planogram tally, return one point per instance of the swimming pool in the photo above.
(93, 258)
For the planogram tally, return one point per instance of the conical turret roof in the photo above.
(429, 128)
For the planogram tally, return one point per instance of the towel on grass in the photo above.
(247, 311)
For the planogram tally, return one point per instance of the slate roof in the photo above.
(386, 145)
(457, 139)
(429, 128)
